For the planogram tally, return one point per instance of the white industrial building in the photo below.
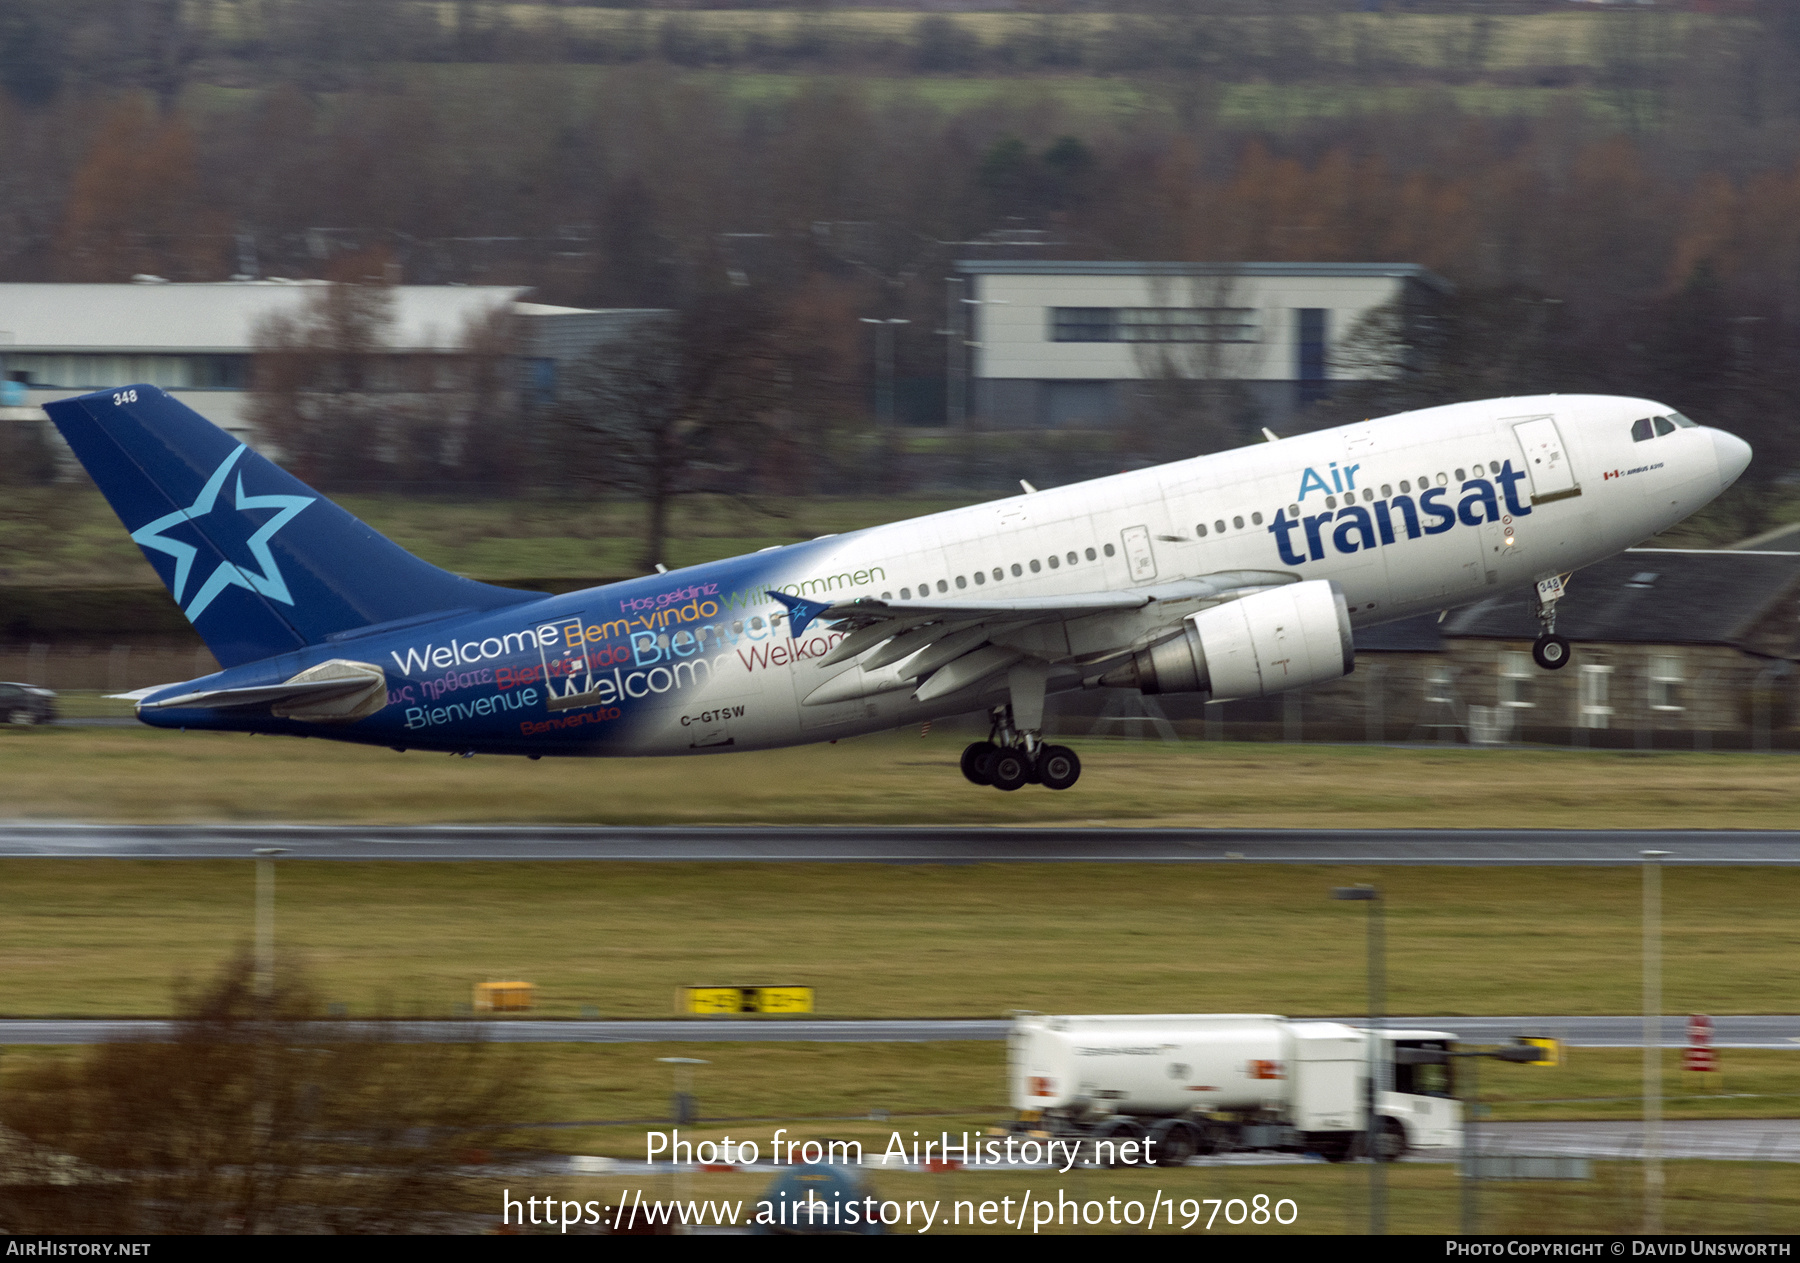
(1062, 344)
(197, 339)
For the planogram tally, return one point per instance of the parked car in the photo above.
(26, 704)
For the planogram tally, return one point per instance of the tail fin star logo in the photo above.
(269, 583)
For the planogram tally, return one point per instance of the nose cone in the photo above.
(1733, 455)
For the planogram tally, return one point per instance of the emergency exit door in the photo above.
(1137, 552)
(1547, 465)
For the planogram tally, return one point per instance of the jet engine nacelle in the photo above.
(1268, 642)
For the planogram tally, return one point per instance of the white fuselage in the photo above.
(1348, 505)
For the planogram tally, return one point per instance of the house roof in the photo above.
(1418, 634)
(1659, 596)
(217, 317)
(1077, 267)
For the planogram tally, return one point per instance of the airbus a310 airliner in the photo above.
(1230, 576)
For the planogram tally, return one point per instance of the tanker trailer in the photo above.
(1198, 1084)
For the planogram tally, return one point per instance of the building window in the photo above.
(1309, 352)
(1440, 686)
(1153, 324)
(1516, 675)
(1666, 683)
(1596, 691)
(1081, 324)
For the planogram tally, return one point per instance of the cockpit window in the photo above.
(1664, 426)
(1640, 430)
(1683, 422)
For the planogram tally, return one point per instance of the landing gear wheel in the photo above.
(1057, 767)
(978, 762)
(1551, 651)
(1009, 770)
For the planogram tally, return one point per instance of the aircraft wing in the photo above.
(943, 646)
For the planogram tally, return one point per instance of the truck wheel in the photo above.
(1174, 1140)
(1334, 1147)
(1118, 1129)
(1390, 1140)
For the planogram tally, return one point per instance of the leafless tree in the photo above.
(680, 404)
(254, 1115)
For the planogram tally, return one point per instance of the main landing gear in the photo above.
(1550, 651)
(1010, 759)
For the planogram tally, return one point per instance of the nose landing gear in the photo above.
(1010, 759)
(1550, 651)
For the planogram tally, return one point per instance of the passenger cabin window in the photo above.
(1054, 563)
(1219, 526)
(1036, 566)
(1640, 430)
(1016, 570)
(1109, 550)
(1090, 557)
(961, 582)
(942, 586)
(1200, 530)
(1238, 523)
(1256, 519)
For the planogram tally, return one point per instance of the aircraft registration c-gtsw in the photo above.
(1236, 575)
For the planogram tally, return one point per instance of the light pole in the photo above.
(884, 366)
(1525, 1054)
(682, 1107)
(1377, 1077)
(1653, 1165)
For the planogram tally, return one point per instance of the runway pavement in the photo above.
(934, 844)
(1767, 1139)
(1748, 1031)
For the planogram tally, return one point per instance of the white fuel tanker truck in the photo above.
(1218, 1082)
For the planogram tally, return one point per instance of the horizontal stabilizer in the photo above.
(264, 695)
(338, 691)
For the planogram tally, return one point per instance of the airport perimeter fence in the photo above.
(1378, 704)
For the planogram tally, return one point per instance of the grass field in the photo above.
(98, 937)
(142, 774)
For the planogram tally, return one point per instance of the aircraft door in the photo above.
(1138, 553)
(571, 658)
(1547, 465)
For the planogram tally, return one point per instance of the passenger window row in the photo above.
(1369, 494)
(999, 573)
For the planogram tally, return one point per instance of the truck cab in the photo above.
(1422, 1097)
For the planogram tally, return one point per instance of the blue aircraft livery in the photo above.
(1235, 575)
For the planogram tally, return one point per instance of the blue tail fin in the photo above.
(260, 563)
